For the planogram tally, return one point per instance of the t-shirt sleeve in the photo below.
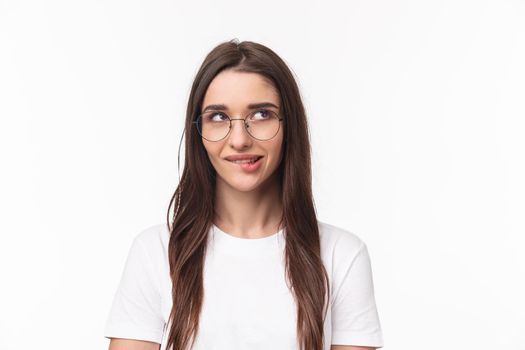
(355, 319)
(136, 309)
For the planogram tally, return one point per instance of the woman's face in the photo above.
(237, 90)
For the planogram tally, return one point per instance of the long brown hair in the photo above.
(194, 199)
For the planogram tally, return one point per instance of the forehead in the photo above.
(237, 90)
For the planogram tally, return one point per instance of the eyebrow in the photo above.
(221, 107)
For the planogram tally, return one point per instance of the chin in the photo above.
(242, 186)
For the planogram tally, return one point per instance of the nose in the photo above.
(239, 136)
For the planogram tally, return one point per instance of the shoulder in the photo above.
(154, 239)
(334, 236)
(339, 247)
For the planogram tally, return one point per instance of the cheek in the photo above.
(277, 149)
(212, 148)
(213, 151)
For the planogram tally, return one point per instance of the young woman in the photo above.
(245, 264)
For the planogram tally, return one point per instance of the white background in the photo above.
(416, 115)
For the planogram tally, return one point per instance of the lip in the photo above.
(242, 156)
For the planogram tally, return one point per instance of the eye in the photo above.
(215, 117)
(261, 114)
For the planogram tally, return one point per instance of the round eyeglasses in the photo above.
(262, 124)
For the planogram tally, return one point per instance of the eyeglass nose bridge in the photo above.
(245, 124)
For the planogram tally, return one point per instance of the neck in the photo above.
(248, 214)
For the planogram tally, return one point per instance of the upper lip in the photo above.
(242, 156)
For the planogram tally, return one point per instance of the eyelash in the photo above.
(255, 111)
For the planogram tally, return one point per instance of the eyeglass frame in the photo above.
(243, 119)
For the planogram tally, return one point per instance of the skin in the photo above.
(248, 205)
(131, 344)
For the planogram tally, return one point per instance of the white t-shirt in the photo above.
(247, 303)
